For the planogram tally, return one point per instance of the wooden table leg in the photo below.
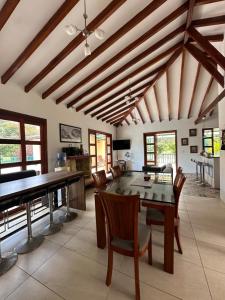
(169, 239)
(100, 223)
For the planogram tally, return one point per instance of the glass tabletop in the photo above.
(159, 188)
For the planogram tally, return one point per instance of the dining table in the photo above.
(155, 192)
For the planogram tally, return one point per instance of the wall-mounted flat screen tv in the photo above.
(121, 144)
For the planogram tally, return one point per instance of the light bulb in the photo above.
(99, 33)
(70, 29)
(87, 50)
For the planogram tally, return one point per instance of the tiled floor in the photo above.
(68, 265)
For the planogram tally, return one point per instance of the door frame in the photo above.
(155, 134)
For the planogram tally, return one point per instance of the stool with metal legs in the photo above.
(52, 227)
(203, 183)
(200, 164)
(69, 216)
(32, 242)
(7, 261)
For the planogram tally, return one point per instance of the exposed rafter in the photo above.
(132, 116)
(114, 109)
(201, 2)
(58, 16)
(194, 90)
(219, 20)
(147, 108)
(134, 73)
(119, 115)
(101, 18)
(200, 57)
(140, 114)
(206, 94)
(128, 123)
(113, 113)
(6, 11)
(148, 10)
(157, 102)
(181, 84)
(211, 106)
(168, 95)
(189, 18)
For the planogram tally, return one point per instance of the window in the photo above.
(23, 143)
(211, 141)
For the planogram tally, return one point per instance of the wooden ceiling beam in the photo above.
(202, 2)
(100, 19)
(114, 113)
(128, 123)
(168, 95)
(157, 102)
(57, 17)
(181, 85)
(132, 74)
(206, 93)
(211, 38)
(131, 63)
(189, 18)
(119, 115)
(147, 108)
(207, 47)
(194, 90)
(210, 106)
(140, 114)
(117, 121)
(219, 20)
(6, 11)
(132, 116)
(151, 32)
(148, 10)
(200, 57)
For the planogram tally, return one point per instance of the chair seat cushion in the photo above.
(154, 214)
(144, 233)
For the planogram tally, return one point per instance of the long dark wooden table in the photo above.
(22, 187)
(156, 194)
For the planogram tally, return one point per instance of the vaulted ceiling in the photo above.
(165, 51)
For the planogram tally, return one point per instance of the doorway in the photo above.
(160, 148)
(100, 150)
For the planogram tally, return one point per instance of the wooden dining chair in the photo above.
(156, 216)
(179, 171)
(99, 178)
(116, 172)
(125, 235)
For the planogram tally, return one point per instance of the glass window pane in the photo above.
(10, 170)
(33, 152)
(36, 167)
(93, 161)
(109, 158)
(150, 156)
(108, 149)
(108, 141)
(92, 138)
(9, 130)
(217, 145)
(32, 132)
(207, 133)
(92, 150)
(150, 148)
(10, 153)
(150, 139)
(208, 150)
(207, 142)
(93, 170)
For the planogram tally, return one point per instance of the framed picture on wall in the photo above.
(193, 132)
(193, 149)
(70, 134)
(184, 141)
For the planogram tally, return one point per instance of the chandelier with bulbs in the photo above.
(73, 29)
(129, 99)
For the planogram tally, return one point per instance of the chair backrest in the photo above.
(99, 178)
(179, 170)
(116, 172)
(121, 215)
(177, 190)
(17, 175)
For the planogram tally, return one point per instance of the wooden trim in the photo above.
(134, 73)
(189, 18)
(118, 56)
(58, 16)
(210, 107)
(147, 108)
(181, 84)
(157, 102)
(194, 90)
(219, 20)
(207, 47)
(101, 18)
(200, 57)
(206, 93)
(6, 11)
(148, 10)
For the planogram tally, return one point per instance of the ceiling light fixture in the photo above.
(72, 30)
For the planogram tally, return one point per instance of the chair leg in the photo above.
(136, 274)
(110, 267)
(177, 236)
(150, 250)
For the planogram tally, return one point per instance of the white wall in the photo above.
(135, 134)
(13, 98)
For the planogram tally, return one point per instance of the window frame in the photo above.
(208, 138)
(23, 119)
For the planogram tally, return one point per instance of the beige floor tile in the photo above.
(30, 262)
(32, 289)
(64, 235)
(11, 280)
(123, 288)
(209, 234)
(73, 276)
(216, 284)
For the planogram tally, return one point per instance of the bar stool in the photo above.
(31, 243)
(196, 169)
(203, 183)
(69, 216)
(200, 164)
(52, 227)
